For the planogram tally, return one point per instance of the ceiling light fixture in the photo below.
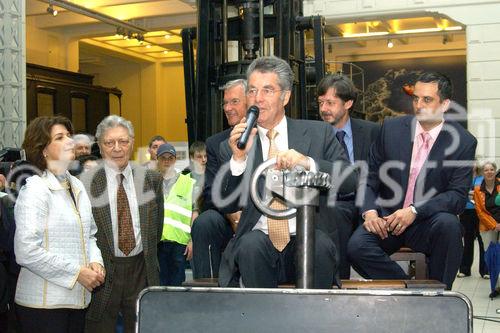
(456, 27)
(416, 31)
(366, 34)
(75, 8)
(51, 10)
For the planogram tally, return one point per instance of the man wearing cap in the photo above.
(155, 142)
(179, 212)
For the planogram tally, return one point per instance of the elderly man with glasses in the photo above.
(261, 254)
(127, 204)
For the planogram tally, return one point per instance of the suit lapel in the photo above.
(297, 137)
(406, 135)
(102, 212)
(437, 153)
(250, 216)
(359, 142)
(141, 187)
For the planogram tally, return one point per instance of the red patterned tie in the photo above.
(126, 237)
(416, 166)
(278, 229)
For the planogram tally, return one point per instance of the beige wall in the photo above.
(51, 49)
(153, 95)
(172, 110)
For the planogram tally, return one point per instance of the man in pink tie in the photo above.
(420, 169)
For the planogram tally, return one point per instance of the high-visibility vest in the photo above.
(178, 209)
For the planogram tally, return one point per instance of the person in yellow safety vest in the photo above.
(180, 210)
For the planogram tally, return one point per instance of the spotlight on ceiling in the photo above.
(120, 32)
(51, 10)
(390, 44)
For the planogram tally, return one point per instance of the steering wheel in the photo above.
(262, 204)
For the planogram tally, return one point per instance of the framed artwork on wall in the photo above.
(388, 85)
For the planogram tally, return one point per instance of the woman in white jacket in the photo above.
(55, 235)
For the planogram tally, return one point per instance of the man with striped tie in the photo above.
(262, 252)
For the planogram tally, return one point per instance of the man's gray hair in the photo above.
(272, 64)
(112, 122)
(234, 83)
(84, 138)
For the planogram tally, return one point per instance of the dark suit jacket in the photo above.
(311, 138)
(449, 169)
(149, 191)
(364, 133)
(213, 165)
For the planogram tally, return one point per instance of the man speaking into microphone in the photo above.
(262, 253)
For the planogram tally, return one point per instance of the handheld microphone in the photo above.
(252, 115)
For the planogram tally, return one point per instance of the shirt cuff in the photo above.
(312, 165)
(237, 167)
(368, 211)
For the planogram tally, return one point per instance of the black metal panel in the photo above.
(189, 83)
(203, 61)
(229, 310)
(319, 47)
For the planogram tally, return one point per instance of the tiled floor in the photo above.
(477, 290)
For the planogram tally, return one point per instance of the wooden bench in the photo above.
(346, 284)
(416, 258)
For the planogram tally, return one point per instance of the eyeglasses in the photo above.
(268, 92)
(112, 143)
(328, 102)
(232, 102)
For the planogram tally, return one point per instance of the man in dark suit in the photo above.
(263, 249)
(336, 97)
(212, 230)
(127, 204)
(419, 175)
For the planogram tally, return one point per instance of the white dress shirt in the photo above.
(128, 185)
(281, 141)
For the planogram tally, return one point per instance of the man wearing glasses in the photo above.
(212, 230)
(127, 204)
(262, 253)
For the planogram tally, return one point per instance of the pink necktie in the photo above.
(423, 151)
